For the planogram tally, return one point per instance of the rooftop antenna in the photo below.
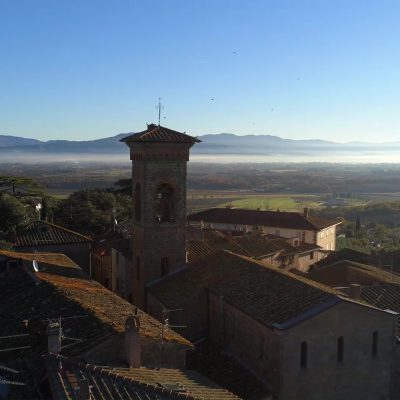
(165, 325)
(160, 107)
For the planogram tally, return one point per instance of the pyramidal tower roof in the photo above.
(159, 134)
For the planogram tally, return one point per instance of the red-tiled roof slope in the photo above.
(131, 383)
(345, 272)
(44, 233)
(385, 296)
(254, 245)
(158, 133)
(279, 219)
(268, 294)
(56, 259)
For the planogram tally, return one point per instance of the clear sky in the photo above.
(84, 69)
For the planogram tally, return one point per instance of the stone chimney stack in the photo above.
(305, 212)
(132, 341)
(54, 337)
(355, 291)
(82, 392)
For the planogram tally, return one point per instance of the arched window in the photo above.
(164, 203)
(375, 344)
(303, 355)
(138, 268)
(340, 349)
(138, 202)
(164, 266)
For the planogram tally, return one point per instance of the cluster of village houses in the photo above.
(220, 304)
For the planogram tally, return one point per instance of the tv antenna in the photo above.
(160, 107)
(165, 325)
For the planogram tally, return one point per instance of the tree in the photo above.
(124, 187)
(87, 211)
(19, 186)
(358, 223)
(13, 213)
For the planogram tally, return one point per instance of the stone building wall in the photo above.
(157, 240)
(194, 315)
(255, 346)
(360, 376)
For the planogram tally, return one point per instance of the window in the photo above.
(303, 355)
(375, 344)
(138, 202)
(261, 347)
(164, 203)
(164, 266)
(312, 255)
(229, 324)
(303, 236)
(138, 268)
(340, 349)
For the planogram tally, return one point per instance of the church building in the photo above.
(159, 158)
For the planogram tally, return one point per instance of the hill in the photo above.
(223, 143)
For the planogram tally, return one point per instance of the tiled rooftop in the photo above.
(345, 272)
(254, 245)
(268, 294)
(60, 260)
(342, 254)
(130, 383)
(158, 133)
(385, 296)
(89, 312)
(279, 219)
(44, 233)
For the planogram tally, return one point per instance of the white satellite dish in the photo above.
(35, 265)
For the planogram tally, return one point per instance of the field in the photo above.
(200, 200)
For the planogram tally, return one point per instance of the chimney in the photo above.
(54, 337)
(305, 212)
(355, 291)
(82, 392)
(132, 341)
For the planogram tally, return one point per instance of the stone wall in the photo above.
(156, 240)
(254, 345)
(360, 376)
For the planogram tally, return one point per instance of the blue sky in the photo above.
(83, 69)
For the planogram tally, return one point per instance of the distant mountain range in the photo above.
(223, 143)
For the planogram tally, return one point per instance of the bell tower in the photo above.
(159, 156)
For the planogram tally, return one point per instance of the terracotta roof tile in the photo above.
(56, 259)
(268, 294)
(44, 233)
(345, 272)
(254, 245)
(279, 219)
(385, 296)
(28, 301)
(162, 383)
(157, 133)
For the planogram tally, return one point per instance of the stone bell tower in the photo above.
(159, 156)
